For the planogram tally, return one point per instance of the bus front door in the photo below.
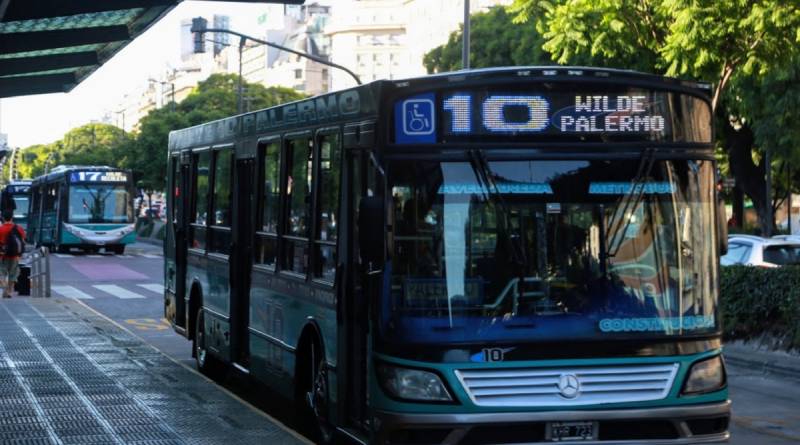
(353, 339)
(176, 247)
(241, 259)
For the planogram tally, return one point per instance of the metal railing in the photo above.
(39, 261)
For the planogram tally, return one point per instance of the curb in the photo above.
(769, 362)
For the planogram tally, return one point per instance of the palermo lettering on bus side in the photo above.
(309, 111)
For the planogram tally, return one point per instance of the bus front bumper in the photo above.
(705, 423)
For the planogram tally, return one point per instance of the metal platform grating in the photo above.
(69, 376)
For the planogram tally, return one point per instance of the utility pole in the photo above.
(240, 103)
(465, 38)
(199, 28)
(770, 219)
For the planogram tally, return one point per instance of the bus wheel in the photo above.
(316, 395)
(206, 364)
(118, 250)
(61, 249)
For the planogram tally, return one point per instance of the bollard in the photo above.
(46, 254)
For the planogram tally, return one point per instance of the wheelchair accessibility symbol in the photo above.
(418, 117)
(415, 119)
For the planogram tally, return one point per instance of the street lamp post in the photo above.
(199, 28)
(465, 38)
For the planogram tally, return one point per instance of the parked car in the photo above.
(763, 252)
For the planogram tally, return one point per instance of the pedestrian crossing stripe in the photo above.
(72, 255)
(157, 288)
(118, 291)
(71, 292)
(109, 291)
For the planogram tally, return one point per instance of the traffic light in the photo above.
(199, 26)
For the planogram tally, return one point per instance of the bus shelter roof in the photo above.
(50, 46)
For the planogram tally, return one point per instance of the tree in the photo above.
(213, 98)
(90, 144)
(730, 42)
(495, 41)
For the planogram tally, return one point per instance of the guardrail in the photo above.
(39, 262)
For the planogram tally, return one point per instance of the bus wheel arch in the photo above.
(312, 389)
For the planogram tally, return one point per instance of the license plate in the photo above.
(574, 431)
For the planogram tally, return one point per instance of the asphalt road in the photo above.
(128, 290)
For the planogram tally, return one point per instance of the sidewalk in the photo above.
(772, 362)
(70, 376)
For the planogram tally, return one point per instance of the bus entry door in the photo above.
(175, 252)
(354, 306)
(241, 259)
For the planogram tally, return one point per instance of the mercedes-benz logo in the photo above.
(569, 386)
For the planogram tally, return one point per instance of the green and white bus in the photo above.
(86, 207)
(19, 192)
(508, 255)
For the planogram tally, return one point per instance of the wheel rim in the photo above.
(200, 348)
(317, 397)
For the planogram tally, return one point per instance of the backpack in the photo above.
(13, 245)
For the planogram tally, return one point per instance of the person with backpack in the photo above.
(12, 245)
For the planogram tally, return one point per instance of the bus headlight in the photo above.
(412, 384)
(705, 376)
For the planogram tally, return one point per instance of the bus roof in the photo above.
(62, 170)
(225, 131)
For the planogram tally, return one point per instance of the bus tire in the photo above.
(206, 363)
(118, 249)
(312, 398)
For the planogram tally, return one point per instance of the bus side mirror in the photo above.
(371, 229)
(722, 227)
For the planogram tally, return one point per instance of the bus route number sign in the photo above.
(638, 114)
(98, 177)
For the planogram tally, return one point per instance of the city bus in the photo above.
(19, 191)
(85, 207)
(508, 255)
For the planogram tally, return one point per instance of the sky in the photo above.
(45, 118)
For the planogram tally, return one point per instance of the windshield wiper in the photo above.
(483, 171)
(633, 197)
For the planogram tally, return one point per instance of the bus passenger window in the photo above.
(298, 202)
(329, 186)
(197, 231)
(267, 236)
(222, 189)
(220, 239)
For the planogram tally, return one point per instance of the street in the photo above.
(127, 289)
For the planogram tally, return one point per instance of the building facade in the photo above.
(387, 39)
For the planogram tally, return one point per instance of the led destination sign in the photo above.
(632, 114)
(98, 176)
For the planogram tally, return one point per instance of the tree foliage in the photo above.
(144, 150)
(748, 49)
(495, 40)
(213, 98)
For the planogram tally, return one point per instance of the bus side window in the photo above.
(220, 225)
(197, 233)
(267, 233)
(298, 205)
(328, 187)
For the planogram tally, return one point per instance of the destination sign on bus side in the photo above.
(651, 115)
(95, 176)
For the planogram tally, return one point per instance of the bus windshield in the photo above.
(542, 250)
(21, 202)
(99, 203)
